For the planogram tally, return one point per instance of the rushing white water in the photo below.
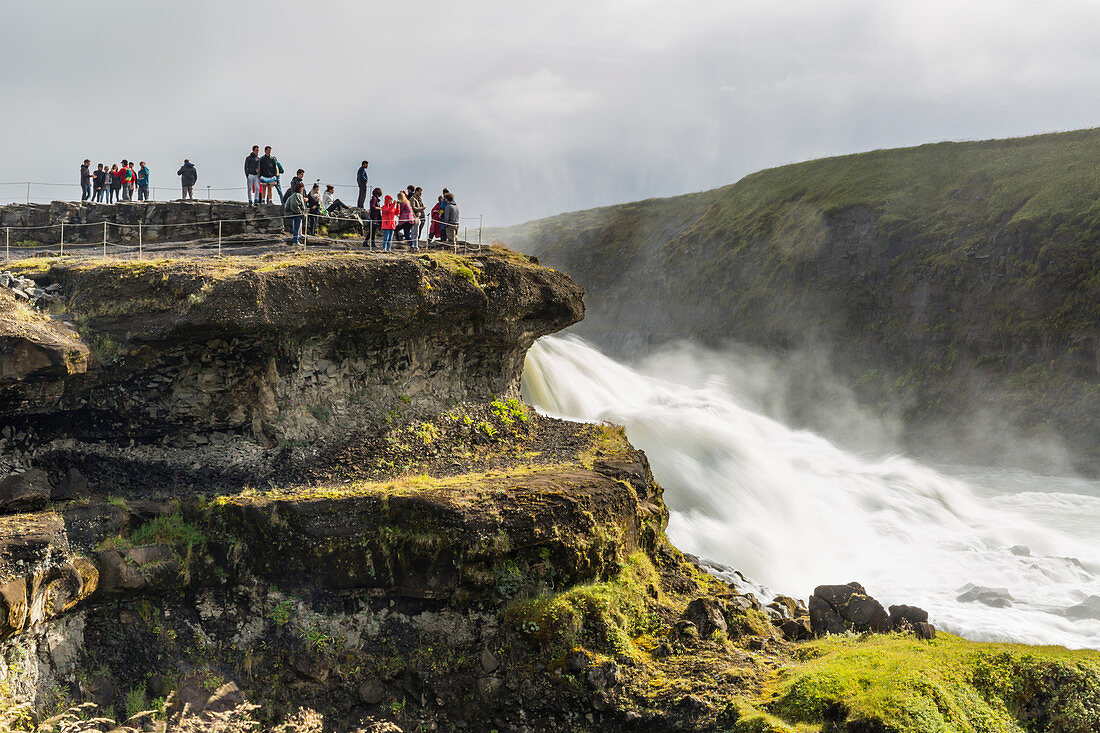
(791, 510)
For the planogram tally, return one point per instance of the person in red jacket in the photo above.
(389, 221)
(435, 228)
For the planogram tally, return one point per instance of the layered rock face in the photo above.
(270, 351)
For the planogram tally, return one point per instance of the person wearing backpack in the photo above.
(450, 219)
(188, 177)
(127, 177)
(295, 206)
(143, 182)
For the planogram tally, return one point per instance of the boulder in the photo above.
(371, 691)
(24, 492)
(905, 617)
(136, 569)
(992, 597)
(73, 485)
(706, 615)
(225, 698)
(924, 630)
(835, 609)
(796, 629)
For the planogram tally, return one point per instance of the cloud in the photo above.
(526, 110)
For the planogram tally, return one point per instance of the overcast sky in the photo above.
(527, 109)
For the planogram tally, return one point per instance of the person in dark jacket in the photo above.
(188, 176)
(269, 175)
(362, 180)
(450, 219)
(313, 206)
(295, 206)
(374, 218)
(86, 180)
(99, 181)
(115, 192)
(298, 177)
(252, 175)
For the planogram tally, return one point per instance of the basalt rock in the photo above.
(836, 609)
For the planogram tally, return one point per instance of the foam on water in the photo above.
(792, 510)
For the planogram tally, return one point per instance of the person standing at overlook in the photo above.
(115, 178)
(269, 175)
(406, 220)
(363, 181)
(299, 177)
(295, 206)
(450, 219)
(389, 221)
(435, 229)
(99, 179)
(374, 217)
(252, 175)
(128, 178)
(86, 180)
(188, 176)
(417, 201)
(143, 182)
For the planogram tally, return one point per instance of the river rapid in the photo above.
(992, 555)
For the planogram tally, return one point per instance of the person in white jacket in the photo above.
(329, 202)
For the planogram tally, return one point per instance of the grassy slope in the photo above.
(942, 271)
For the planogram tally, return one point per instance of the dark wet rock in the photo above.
(924, 630)
(73, 485)
(489, 662)
(136, 569)
(902, 617)
(577, 661)
(796, 629)
(605, 675)
(706, 615)
(836, 609)
(24, 492)
(371, 691)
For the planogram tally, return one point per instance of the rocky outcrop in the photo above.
(40, 577)
(839, 609)
(273, 351)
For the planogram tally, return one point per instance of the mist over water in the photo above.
(791, 510)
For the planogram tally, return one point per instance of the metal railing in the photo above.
(101, 247)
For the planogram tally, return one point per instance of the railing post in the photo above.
(208, 193)
(28, 192)
(62, 239)
(104, 239)
(140, 256)
(7, 242)
(219, 237)
(480, 222)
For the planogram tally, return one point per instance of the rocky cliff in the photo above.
(943, 283)
(301, 493)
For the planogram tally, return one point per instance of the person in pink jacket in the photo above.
(406, 221)
(389, 221)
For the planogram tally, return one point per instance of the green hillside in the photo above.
(943, 278)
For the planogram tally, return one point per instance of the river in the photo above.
(992, 555)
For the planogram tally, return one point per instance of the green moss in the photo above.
(945, 685)
(604, 617)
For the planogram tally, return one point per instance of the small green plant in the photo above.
(426, 433)
(466, 274)
(283, 612)
(487, 428)
(136, 701)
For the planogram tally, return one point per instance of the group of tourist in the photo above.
(117, 183)
(400, 219)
